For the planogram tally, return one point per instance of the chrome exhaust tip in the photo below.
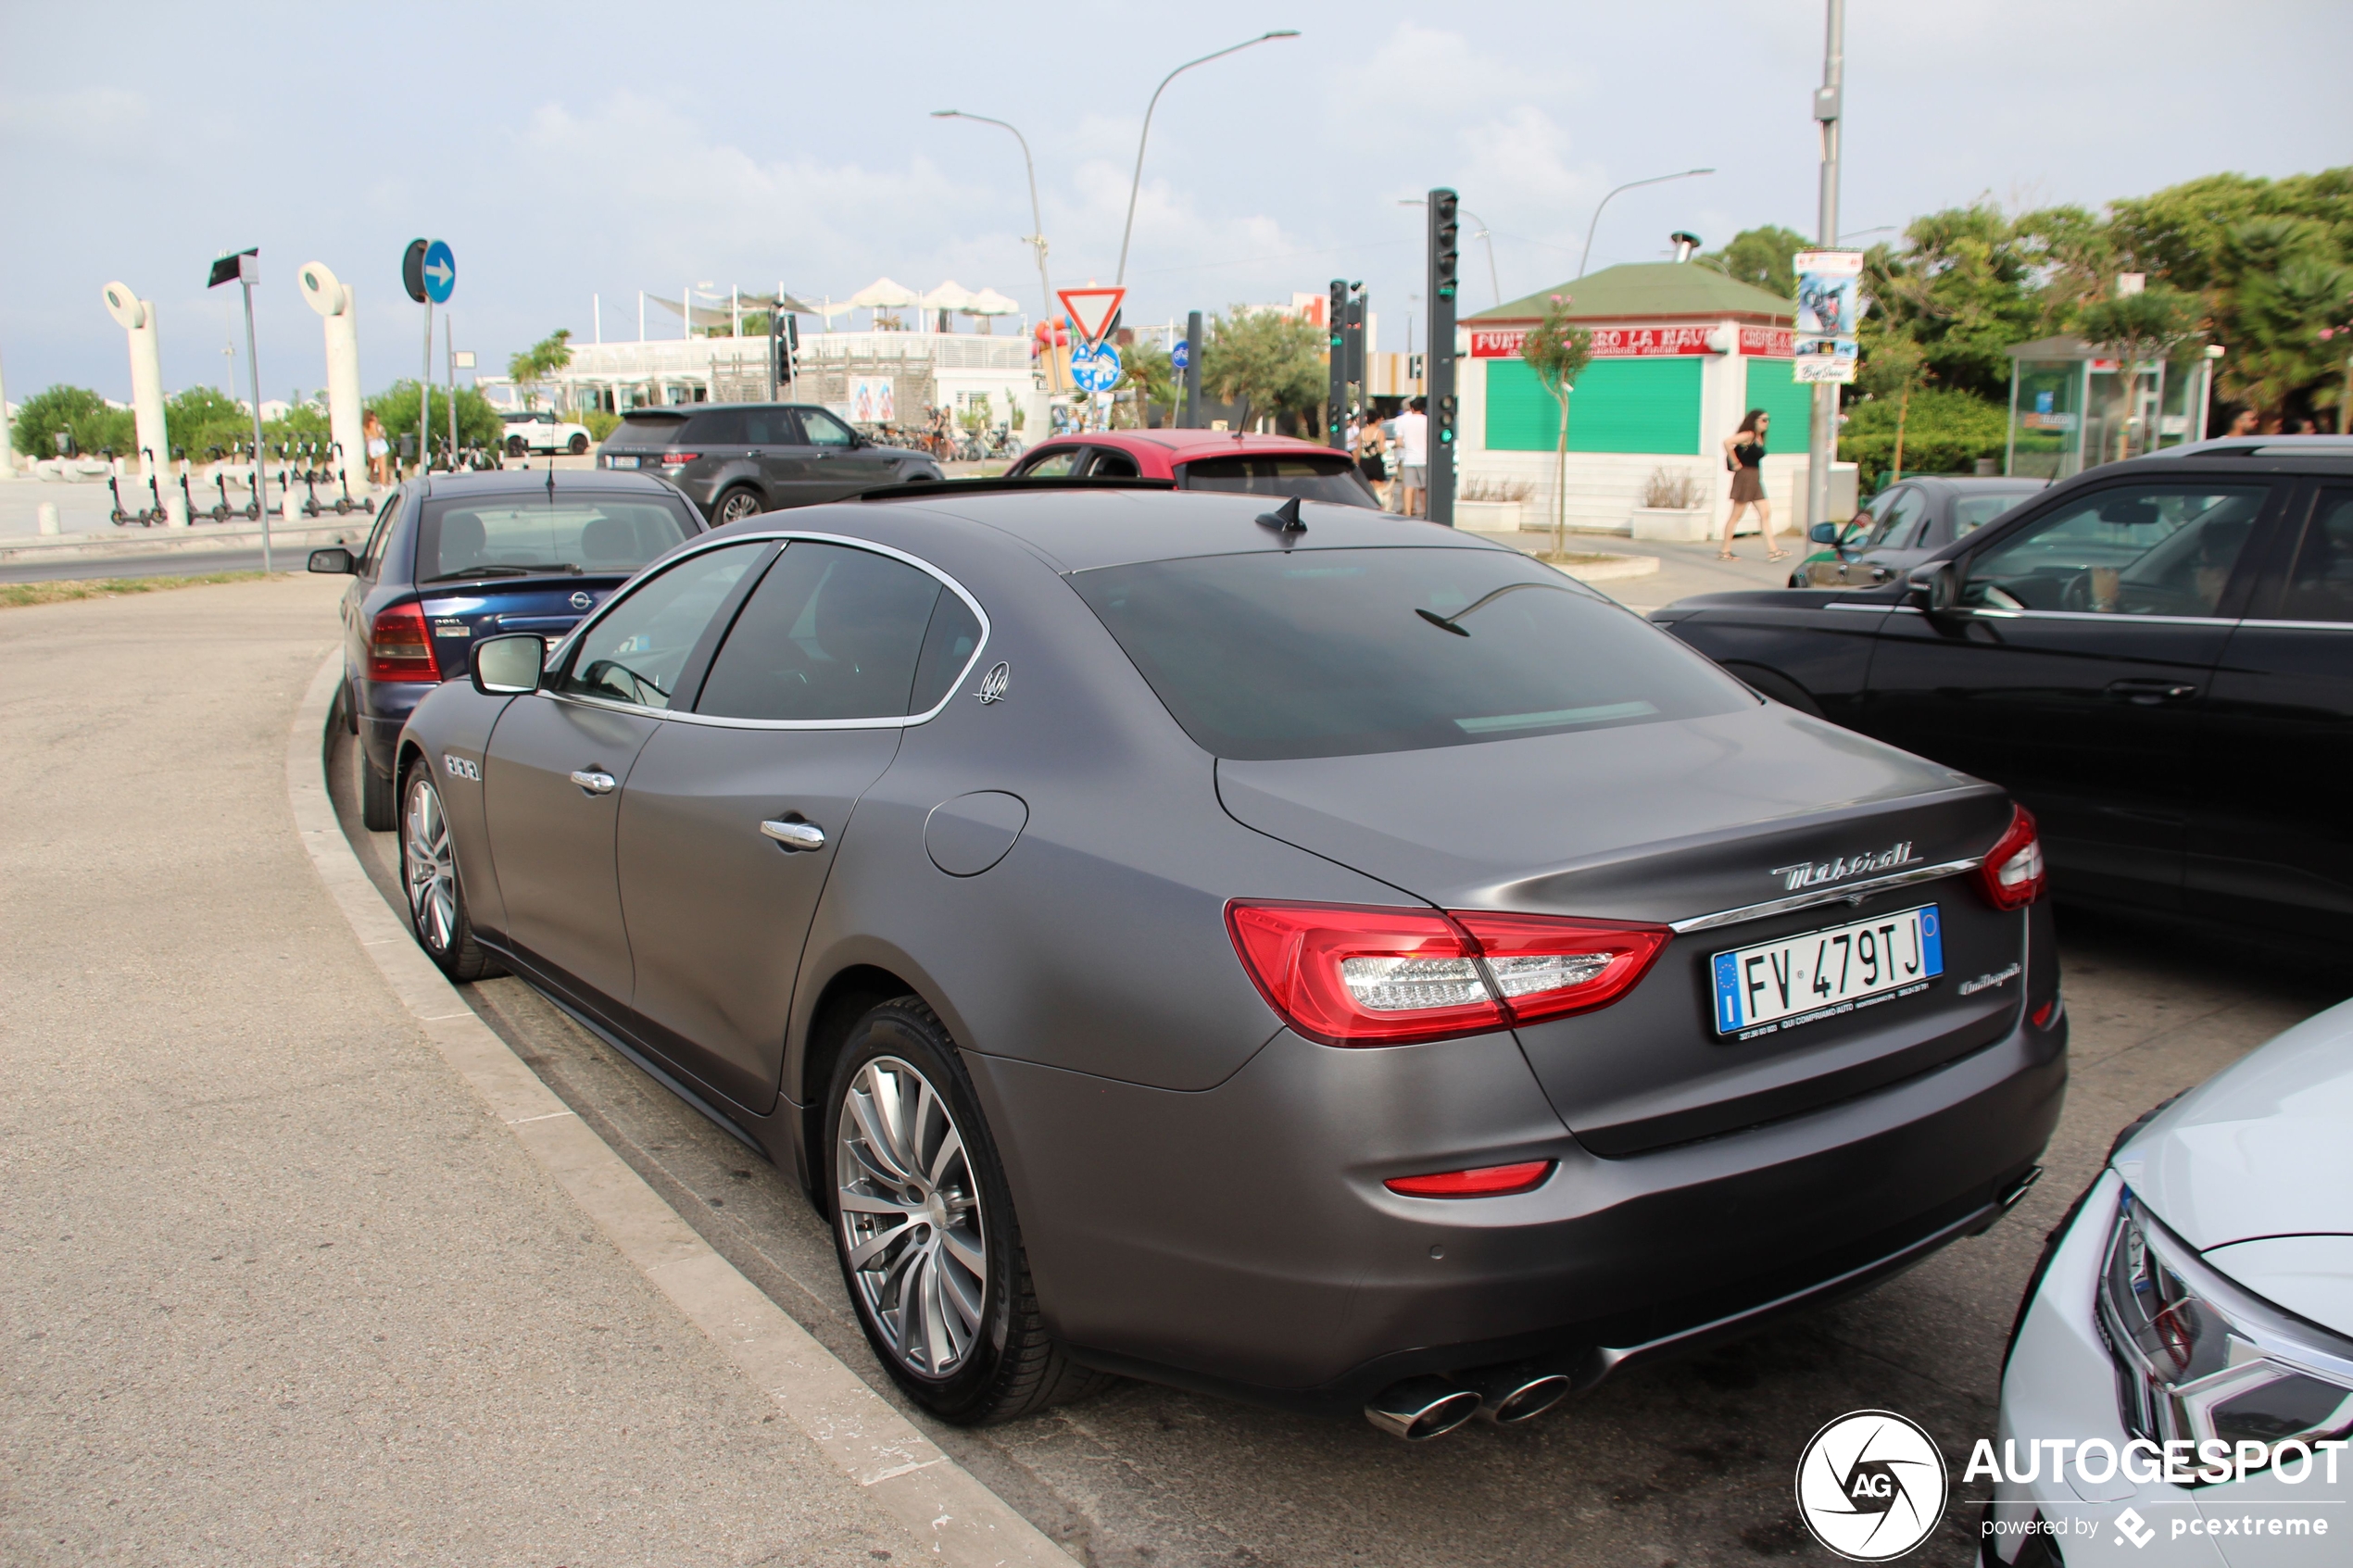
(2020, 1188)
(1508, 1395)
(1421, 1407)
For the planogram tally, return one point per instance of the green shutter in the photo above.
(1790, 403)
(1617, 405)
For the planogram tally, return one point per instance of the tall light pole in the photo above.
(1630, 184)
(1036, 237)
(1138, 183)
(1494, 279)
(1822, 449)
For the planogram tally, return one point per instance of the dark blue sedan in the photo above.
(457, 556)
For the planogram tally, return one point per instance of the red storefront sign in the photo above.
(1635, 343)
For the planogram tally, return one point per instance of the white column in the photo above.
(7, 435)
(343, 412)
(138, 319)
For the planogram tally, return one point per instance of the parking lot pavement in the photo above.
(274, 1286)
(1687, 1464)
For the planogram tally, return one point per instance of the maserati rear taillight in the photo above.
(2013, 874)
(1347, 974)
(400, 646)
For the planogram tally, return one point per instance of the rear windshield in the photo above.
(518, 537)
(1333, 653)
(1314, 479)
(1973, 512)
(651, 434)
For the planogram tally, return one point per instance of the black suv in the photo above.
(2156, 656)
(737, 460)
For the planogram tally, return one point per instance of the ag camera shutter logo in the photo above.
(1872, 1485)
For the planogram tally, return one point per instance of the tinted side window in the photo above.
(1055, 465)
(724, 427)
(947, 648)
(1113, 465)
(2320, 586)
(831, 633)
(2142, 549)
(770, 427)
(371, 560)
(635, 652)
(1897, 515)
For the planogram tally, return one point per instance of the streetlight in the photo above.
(1596, 223)
(1494, 280)
(1145, 135)
(1037, 222)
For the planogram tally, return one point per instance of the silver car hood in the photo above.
(1658, 821)
(2262, 1149)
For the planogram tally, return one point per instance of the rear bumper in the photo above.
(1201, 1239)
(383, 708)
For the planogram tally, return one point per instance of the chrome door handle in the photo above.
(2149, 692)
(795, 835)
(595, 781)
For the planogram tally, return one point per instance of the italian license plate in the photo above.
(621, 462)
(1780, 985)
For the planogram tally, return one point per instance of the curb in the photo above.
(956, 1519)
(205, 539)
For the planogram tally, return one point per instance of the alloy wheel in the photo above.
(428, 867)
(909, 1209)
(738, 506)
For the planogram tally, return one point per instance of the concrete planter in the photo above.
(1663, 523)
(1490, 517)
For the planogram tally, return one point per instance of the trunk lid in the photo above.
(1670, 822)
(462, 614)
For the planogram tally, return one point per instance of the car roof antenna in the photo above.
(1284, 519)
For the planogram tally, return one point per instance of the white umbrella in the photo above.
(883, 295)
(950, 295)
(988, 302)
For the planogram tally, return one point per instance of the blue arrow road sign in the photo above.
(441, 272)
(1095, 367)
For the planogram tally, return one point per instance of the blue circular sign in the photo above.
(1095, 367)
(1182, 355)
(441, 272)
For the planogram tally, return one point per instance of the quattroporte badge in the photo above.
(992, 685)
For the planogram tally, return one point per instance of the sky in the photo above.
(584, 149)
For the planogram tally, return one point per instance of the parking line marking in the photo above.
(956, 1520)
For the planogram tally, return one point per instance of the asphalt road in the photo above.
(1672, 1466)
(275, 1286)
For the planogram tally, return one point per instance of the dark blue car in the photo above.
(457, 556)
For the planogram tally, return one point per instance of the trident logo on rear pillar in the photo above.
(992, 685)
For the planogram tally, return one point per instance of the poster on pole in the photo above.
(873, 400)
(1829, 308)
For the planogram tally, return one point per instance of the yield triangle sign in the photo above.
(1092, 309)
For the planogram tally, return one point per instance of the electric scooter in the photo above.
(187, 502)
(121, 519)
(344, 503)
(311, 507)
(218, 510)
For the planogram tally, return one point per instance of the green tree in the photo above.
(1895, 369)
(1761, 257)
(1557, 349)
(1265, 360)
(2137, 329)
(76, 410)
(1945, 431)
(203, 417)
(2280, 283)
(1146, 371)
(1962, 290)
(478, 422)
(539, 361)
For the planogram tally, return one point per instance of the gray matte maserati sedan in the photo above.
(1307, 954)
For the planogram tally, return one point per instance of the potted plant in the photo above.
(1493, 506)
(1671, 505)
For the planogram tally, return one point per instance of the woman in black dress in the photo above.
(1744, 455)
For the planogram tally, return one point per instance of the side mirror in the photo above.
(334, 560)
(1934, 585)
(509, 666)
(1823, 533)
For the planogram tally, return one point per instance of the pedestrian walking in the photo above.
(1744, 455)
(2246, 421)
(1412, 429)
(1372, 459)
(379, 449)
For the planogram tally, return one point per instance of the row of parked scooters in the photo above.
(307, 463)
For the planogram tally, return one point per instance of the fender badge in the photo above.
(992, 685)
(460, 767)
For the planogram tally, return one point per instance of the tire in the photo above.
(912, 1215)
(379, 807)
(429, 878)
(515, 447)
(576, 445)
(735, 504)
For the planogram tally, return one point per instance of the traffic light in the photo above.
(1445, 257)
(1336, 397)
(1442, 416)
(1354, 333)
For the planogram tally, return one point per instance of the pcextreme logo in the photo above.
(1872, 1485)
